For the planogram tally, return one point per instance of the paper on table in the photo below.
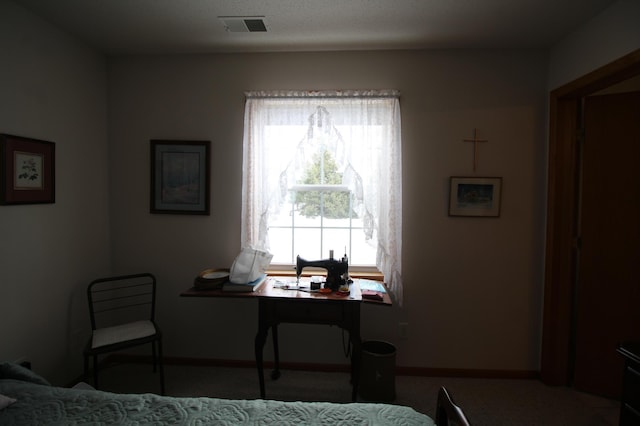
(372, 285)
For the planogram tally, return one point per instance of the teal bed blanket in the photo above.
(31, 400)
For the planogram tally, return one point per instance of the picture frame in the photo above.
(27, 170)
(180, 177)
(475, 196)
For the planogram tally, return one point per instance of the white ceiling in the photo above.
(192, 26)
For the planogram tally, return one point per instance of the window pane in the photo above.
(362, 253)
(330, 206)
(284, 217)
(318, 221)
(306, 243)
(281, 246)
(301, 220)
(338, 241)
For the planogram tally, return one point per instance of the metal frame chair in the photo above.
(447, 412)
(122, 311)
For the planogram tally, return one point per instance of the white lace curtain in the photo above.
(367, 150)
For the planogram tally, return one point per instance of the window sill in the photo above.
(367, 275)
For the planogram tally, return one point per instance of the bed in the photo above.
(28, 399)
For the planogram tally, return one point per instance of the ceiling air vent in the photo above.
(246, 24)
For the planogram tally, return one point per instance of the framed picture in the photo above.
(180, 177)
(27, 170)
(475, 196)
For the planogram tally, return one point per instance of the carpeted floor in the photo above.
(494, 402)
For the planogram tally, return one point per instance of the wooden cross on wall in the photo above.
(475, 141)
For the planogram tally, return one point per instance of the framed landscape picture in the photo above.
(27, 170)
(475, 196)
(180, 177)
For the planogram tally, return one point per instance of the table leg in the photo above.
(275, 374)
(356, 352)
(356, 356)
(260, 340)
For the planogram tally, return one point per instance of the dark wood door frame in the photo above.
(562, 213)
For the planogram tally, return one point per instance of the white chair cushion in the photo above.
(121, 333)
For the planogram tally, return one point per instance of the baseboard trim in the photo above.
(329, 368)
(468, 373)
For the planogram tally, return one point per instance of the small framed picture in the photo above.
(27, 170)
(475, 196)
(180, 177)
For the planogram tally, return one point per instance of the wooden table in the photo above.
(278, 305)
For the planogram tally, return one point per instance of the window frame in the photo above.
(385, 220)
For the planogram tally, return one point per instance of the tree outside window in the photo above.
(329, 204)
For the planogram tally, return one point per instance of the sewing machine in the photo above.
(337, 270)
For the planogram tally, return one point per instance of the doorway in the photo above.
(563, 216)
(607, 289)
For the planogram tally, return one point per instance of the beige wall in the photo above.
(471, 284)
(608, 36)
(54, 89)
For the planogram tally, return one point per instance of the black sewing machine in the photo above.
(337, 270)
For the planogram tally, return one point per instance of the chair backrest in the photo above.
(121, 299)
(447, 412)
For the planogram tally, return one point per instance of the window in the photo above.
(322, 171)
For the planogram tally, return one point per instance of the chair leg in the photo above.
(161, 367)
(154, 355)
(95, 371)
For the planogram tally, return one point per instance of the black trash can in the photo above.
(378, 371)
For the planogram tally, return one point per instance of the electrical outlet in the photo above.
(403, 330)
